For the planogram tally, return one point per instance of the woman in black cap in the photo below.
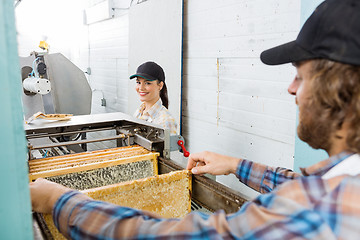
(152, 91)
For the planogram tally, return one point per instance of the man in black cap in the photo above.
(320, 203)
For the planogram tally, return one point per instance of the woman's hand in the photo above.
(212, 163)
(44, 195)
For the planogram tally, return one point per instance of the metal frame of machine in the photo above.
(43, 134)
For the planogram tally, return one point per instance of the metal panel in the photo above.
(70, 89)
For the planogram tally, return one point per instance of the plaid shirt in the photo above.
(157, 114)
(296, 207)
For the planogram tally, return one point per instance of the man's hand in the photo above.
(44, 195)
(212, 163)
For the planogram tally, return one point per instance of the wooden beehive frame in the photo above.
(54, 166)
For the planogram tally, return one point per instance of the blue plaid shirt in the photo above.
(293, 206)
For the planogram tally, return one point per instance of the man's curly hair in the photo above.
(335, 97)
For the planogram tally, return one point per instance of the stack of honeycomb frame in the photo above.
(96, 168)
(126, 176)
(168, 195)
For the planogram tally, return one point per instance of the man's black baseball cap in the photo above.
(331, 32)
(150, 71)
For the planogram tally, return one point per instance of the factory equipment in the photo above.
(64, 141)
(53, 84)
(44, 139)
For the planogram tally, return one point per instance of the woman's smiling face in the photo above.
(148, 91)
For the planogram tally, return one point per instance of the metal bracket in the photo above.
(167, 144)
(174, 142)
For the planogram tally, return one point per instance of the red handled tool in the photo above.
(181, 144)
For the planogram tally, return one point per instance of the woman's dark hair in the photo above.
(164, 96)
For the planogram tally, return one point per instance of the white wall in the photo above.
(232, 103)
(107, 56)
(108, 42)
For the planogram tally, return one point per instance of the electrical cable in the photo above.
(33, 67)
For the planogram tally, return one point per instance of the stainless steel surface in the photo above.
(41, 135)
(86, 123)
(155, 144)
(31, 147)
(70, 94)
(105, 119)
(131, 130)
(71, 90)
(48, 103)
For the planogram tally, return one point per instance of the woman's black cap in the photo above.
(150, 71)
(331, 32)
